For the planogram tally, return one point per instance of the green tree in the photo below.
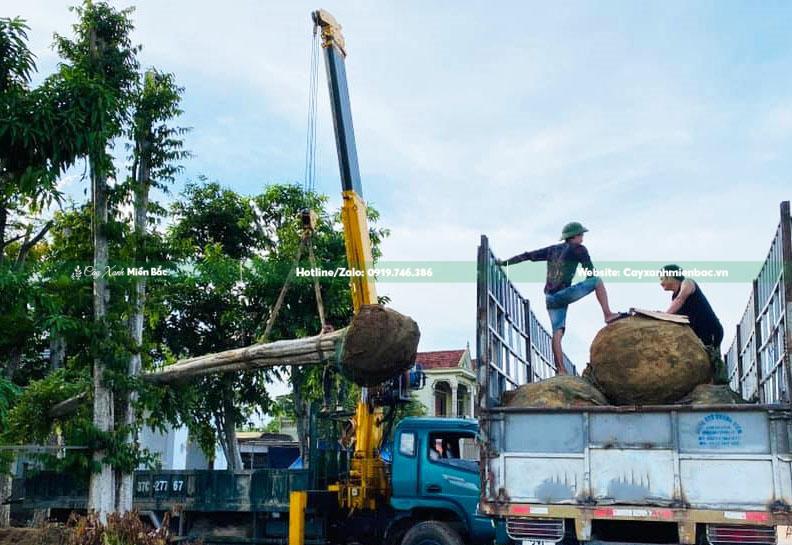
(240, 250)
(101, 61)
(281, 206)
(214, 232)
(39, 138)
(8, 392)
(63, 302)
(157, 148)
(29, 158)
(80, 111)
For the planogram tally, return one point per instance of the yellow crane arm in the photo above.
(367, 484)
(353, 211)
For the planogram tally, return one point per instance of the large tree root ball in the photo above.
(380, 344)
(555, 392)
(712, 394)
(642, 361)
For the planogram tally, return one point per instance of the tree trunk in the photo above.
(305, 351)
(57, 350)
(226, 425)
(29, 243)
(101, 494)
(233, 455)
(300, 414)
(5, 508)
(125, 491)
(68, 406)
(378, 345)
(381, 341)
(14, 361)
(3, 221)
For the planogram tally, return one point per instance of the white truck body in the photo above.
(717, 474)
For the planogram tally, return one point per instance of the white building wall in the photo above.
(175, 451)
(454, 377)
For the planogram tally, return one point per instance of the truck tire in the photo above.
(432, 532)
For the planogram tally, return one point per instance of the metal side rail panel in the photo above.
(639, 513)
(257, 490)
(758, 358)
(512, 346)
(548, 522)
(713, 459)
(50, 489)
(265, 490)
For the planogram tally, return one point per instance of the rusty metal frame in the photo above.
(531, 349)
(786, 241)
(505, 320)
(759, 356)
(685, 518)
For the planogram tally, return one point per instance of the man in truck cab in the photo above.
(687, 299)
(562, 262)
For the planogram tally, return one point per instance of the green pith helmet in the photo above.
(572, 229)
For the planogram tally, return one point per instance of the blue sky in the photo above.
(664, 127)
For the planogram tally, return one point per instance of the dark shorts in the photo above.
(558, 302)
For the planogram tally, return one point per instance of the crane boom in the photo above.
(353, 211)
(367, 484)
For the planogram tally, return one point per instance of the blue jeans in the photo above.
(558, 302)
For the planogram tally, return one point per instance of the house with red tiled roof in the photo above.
(450, 383)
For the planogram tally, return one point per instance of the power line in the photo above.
(309, 177)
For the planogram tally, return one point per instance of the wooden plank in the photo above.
(657, 315)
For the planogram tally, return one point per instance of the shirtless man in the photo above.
(687, 299)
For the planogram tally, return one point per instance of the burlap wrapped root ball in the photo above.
(556, 392)
(642, 361)
(380, 344)
(712, 394)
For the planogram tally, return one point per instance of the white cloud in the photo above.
(507, 121)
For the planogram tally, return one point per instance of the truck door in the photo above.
(450, 475)
(451, 467)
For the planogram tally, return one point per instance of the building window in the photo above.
(462, 401)
(442, 398)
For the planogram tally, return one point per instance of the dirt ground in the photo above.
(33, 536)
(58, 536)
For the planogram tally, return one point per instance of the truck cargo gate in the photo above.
(512, 346)
(758, 358)
(685, 474)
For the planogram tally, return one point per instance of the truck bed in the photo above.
(726, 458)
(193, 490)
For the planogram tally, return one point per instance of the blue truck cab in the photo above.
(435, 484)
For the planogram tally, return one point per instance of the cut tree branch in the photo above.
(314, 350)
(25, 248)
(379, 344)
(67, 407)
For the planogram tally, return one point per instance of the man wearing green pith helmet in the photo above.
(562, 262)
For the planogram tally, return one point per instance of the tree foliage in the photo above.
(77, 112)
(236, 252)
(101, 62)
(8, 393)
(228, 255)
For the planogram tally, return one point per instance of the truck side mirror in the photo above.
(417, 377)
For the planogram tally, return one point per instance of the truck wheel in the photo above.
(432, 532)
